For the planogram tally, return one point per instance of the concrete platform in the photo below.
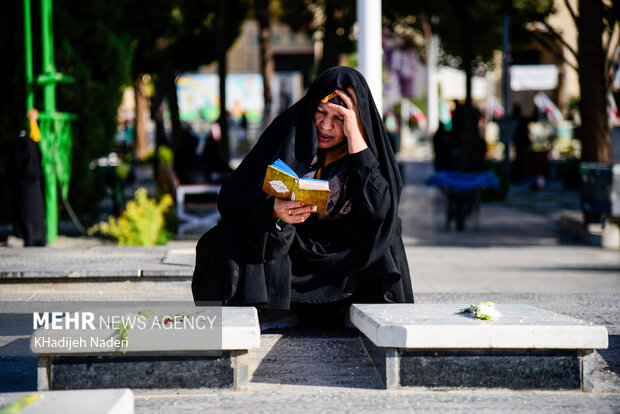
(434, 345)
(114, 401)
(103, 262)
(198, 347)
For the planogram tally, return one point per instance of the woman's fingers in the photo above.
(353, 126)
(291, 211)
(298, 214)
(346, 98)
(345, 112)
(353, 95)
(350, 101)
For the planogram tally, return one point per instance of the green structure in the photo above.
(56, 137)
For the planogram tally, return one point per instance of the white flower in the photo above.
(483, 310)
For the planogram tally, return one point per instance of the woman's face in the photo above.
(329, 130)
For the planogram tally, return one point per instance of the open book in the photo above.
(282, 182)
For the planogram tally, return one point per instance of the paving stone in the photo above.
(345, 400)
(89, 262)
(313, 356)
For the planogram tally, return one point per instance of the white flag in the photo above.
(546, 105)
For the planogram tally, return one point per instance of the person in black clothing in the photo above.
(468, 146)
(28, 199)
(521, 138)
(214, 155)
(243, 136)
(442, 146)
(280, 257)
(187, 162)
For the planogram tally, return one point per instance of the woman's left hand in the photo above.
(352, 122)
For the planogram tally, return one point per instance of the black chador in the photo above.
(353, 252)
(28, 201)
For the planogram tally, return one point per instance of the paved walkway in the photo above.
(514, 251)
(515, 257)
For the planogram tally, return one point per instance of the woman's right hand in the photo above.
(293, 212)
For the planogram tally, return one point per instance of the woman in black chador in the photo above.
(276, 254)
(28, 199)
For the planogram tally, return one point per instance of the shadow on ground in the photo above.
(328, 357)
(611, 355)
(18, 373)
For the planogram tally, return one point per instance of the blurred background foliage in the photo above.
(90, 45)
(105, 45)
(470, 30)
(142, 223)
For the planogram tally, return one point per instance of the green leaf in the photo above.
(146, 312)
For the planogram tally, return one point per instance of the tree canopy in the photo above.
(188, 28)
(471, 28)
(331, 21)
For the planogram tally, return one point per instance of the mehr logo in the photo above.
(139, 319)
(63, 320)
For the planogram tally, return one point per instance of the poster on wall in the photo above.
(198, 96)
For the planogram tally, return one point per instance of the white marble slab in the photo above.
(183, 257)
(241, 329)
(435, 326)
(111, 401)
(160, 329)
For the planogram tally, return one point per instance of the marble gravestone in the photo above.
(112, 401)
(190, 347)
(434, 345)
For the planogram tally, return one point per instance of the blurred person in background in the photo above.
(27, 173)
(443, 145)
(522, 142)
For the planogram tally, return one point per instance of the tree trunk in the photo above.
(596, 145)
(142, 107)
(222, 70)
(160, 131)
(462, 8)
(170, 91)
(331, 54)
(472, 156)
(466, 131)
(261, 10)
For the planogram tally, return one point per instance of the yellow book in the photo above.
(282, 182)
